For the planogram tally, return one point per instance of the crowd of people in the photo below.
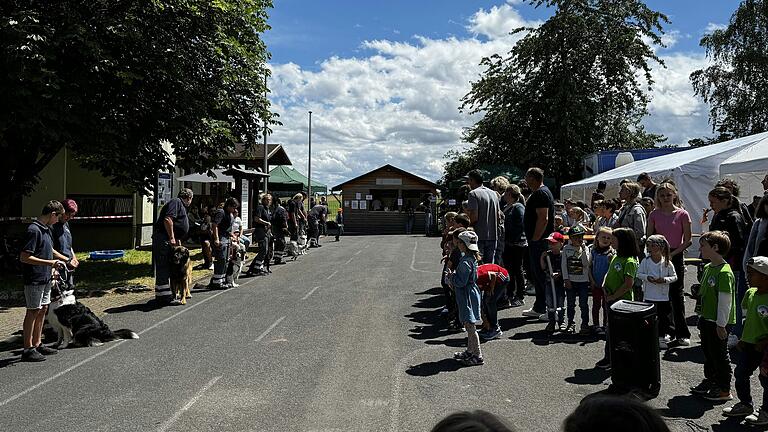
(631, 247)
(217, 229)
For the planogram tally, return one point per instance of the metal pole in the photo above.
(309, 163)
(266, 151)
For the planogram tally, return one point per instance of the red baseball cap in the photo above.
(69, 205)
(556, 237)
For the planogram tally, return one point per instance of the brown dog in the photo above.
(181, 273)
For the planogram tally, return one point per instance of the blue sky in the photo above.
(384, 78)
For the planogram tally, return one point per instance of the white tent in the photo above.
(748, 167)
(694, 171)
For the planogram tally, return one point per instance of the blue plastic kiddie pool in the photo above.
(106, 254)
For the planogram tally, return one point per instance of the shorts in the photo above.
(37, 296)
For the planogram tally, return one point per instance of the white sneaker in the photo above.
(531, 313)
(683, 341)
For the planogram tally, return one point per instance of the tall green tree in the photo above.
(112, 80)
(577, 84)
(736, 84)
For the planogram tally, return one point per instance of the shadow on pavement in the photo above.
(591, 376)
(688, 407)
(149, 306)
(432, 291)
(692, 354)
(513, 323)
(429, 302)
(434, 368)
(452, 342)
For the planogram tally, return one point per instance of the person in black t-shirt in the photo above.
(221, 226)
(317, 216)
(262, 223)
(294, 216)
(171, 227)
(538, 223)
(37, 258)
(62, 239)
(279, 230)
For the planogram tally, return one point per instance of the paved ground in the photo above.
(361, 349)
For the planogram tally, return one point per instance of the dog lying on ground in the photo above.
(75, 323)
(181, 274)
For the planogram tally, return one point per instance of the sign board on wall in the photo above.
(369, 197)
(363, 205)
(358, 196)
(354, 205)
(244, 196)
(399, 201)
(164, 189)
(452, 202)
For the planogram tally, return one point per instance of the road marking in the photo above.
(358, 252)
(100, 353)
(413, 261)
(348, 261)
(367, 246)
(310, 293)
(189, 404)
(400, 367)
(332, 275)
(266, 332)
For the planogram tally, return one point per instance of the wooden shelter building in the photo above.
(377, 201)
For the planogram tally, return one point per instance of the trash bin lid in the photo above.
(626, 306)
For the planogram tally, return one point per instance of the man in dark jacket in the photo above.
(170, 229)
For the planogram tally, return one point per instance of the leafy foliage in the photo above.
(735, 84)
(113, 80)
(576, 85)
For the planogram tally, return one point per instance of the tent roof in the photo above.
(276, 154)
(287, 176)
(752, 158)
(693, 162)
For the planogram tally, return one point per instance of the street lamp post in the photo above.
(309, 164)
(266, 151)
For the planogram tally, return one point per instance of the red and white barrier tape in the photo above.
(30, 219)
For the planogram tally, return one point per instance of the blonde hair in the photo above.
(450, 216)
(670, 187)
(661, 241)
(634, 189)
(516, 193)
(499, 184)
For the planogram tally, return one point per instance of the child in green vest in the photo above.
(751, 347)
(717, 310)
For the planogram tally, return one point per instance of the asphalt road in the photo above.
(349, 339)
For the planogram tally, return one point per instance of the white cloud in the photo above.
(498, 21)
(399, 102)
(711, 27)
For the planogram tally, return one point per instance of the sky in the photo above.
(384, 79)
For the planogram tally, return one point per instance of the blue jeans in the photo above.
(487, 251)
(491, 307)
(580, 289)
(558, 301)
(535, 249)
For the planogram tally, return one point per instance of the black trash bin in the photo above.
(634, 344)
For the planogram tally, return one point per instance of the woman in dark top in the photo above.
(515, 245)
(728, 218)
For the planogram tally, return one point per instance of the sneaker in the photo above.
(31, 355)
(739, 410)
(715, 394)
(704, 387)
(663, 343)
(210, 267)
(600, 331)
(544, 317)
(473, 360)
(530, 313)
(683, 341)
(462, 355)
(757, 419)
(570, 328)
(518, 302)
(444, 311)
(491, 335)
(44, 350)
(603, 364)
(551, 327)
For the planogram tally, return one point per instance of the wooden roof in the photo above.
(276, 154)
(387, 168)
